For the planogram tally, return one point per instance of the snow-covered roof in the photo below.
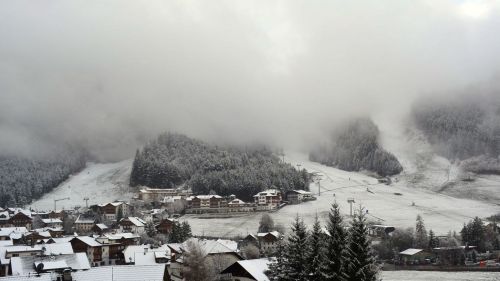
(274, 233)
(51, 265)
(28, 277)
(7, 231)
(131, 252)
(24, 265)
(410, 252)
(256, 268)
(236, 201)
(81, 219)
(208, 246)
(49, 221)
(118, 236)
(58, 248)
(23, 248)
(300, 191)
(147, 258)
(136, 221)
(89, 241)
(233, 245)
(102, 226)
(122, 273)
(4, 243)
(268, 192)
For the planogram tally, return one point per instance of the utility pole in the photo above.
(319, 187)
(86, 202)
(350, 201)
(55, 202)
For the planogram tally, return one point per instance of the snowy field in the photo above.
(438, 276)
(387, 204)
(101, 183)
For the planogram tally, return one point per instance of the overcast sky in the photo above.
(111, 74)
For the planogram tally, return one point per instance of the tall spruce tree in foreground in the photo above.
(332, 269)
(316, 255)
(361, 261)
(277, 268)
(295, 254)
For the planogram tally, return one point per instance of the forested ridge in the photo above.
(23, 179)
(355, 147)
(174, 160)
(464, 128)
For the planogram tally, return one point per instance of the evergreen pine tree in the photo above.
(421, 240)
(316, 253)
(332, 269)
(186, 231)
(361, 261)
(433, 240)
(277, 267)
(295, 254)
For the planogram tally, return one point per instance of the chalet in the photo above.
(165, 226)
(52, 223)
(132, 224)
(237, 205)
(268, 200)
(268, 241)
(380, 231)
(115, 210)
(246, 270)
(158, 194)
(217, 254)
(206, 204)
(100, 250)
(100, 228)
(20, 219)
(415, 256)
(298, 196)
(146, 254)
(125, 239)
(84, 225)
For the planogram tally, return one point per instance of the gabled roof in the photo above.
(135, 220)
(131, 252)
(268, 192)
(273, 233)
(24, 265)
(256, 268)
(88, 240)
(410, 252)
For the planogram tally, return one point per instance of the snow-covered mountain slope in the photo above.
(388, 204)
(424, 169)
(99, 182)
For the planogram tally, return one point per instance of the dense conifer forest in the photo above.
(23, 179)
(355, 147)
(174, 160)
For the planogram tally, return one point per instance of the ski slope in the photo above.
(440, 212)
(100, 183)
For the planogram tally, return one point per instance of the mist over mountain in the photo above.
(110, 77)
(465, 127)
